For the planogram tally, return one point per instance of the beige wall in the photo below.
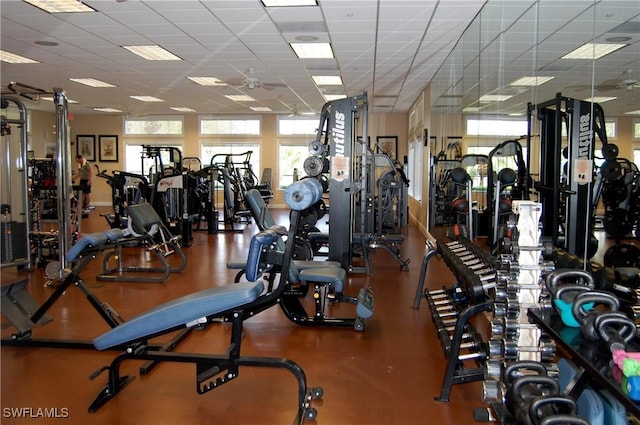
(93, 124)
(440, 126)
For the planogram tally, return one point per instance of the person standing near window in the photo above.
(85, 174)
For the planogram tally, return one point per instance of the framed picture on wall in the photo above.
(108, 148)
(387, 145)
(86, 146)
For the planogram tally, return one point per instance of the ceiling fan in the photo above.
(628, 82)
(250, 81)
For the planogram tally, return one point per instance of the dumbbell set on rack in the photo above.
(472, 266)
(445, 312)
(452, 308)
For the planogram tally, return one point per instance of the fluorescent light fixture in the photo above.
(330, 97)
(593, 51)
(207, 81)
(106, 109)
(239, 97)
(153, 53)
(494, 97)
(147, 98)
(50, 99)
(600, 99)
(182, 109)
(261, 109)
(13, 58)
(472, 109)
(637, 112)
(91, 82)
(312, 50)
(60, 6)
(327, 80)
(282, 3)
(531, 81)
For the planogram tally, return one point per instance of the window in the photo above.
(229, 126)
(636, 157)
(293, 148)
(170, 126)
(478, 173)
(210, 149)
(298, 126)
(496, 127)
(291, 157)
(414, 171)
(636, 129)
(137, 163)
(611, 126)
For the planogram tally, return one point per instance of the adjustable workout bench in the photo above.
(327, 278)
(231, 302)
(147, 229)
(25, 313)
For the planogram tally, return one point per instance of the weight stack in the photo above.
(520, 285)
(14, 241)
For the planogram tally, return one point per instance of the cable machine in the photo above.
(68, 219)
(15, 200)
(567, 190)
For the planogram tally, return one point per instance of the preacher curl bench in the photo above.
(230, 302)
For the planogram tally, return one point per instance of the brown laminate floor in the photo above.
(388, 374)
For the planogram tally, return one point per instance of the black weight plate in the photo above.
(611, 170)
(617, 223)
(623, 255)
(614, 192)
(610, 151)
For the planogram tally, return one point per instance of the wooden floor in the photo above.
(388, 374)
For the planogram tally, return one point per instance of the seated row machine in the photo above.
(233, 303)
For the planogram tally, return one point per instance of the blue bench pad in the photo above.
(330, 275)
(86, 241)
(181, 311)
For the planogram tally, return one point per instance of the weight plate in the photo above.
(611, 170)
(614, 192)
(313, 166)
(622, 255)
(315, 148)
(617, 223)
(610, 151)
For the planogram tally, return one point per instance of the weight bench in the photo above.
(145, 229)
(25, 313)
(234, 303)
(326, 277)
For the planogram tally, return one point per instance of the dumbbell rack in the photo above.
(519, 288)
(453, 308)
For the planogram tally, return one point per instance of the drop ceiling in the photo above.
(389, 48)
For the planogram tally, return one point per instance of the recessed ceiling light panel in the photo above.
(313, 50)
(147, 98)
(153, 53)
(593, 51)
